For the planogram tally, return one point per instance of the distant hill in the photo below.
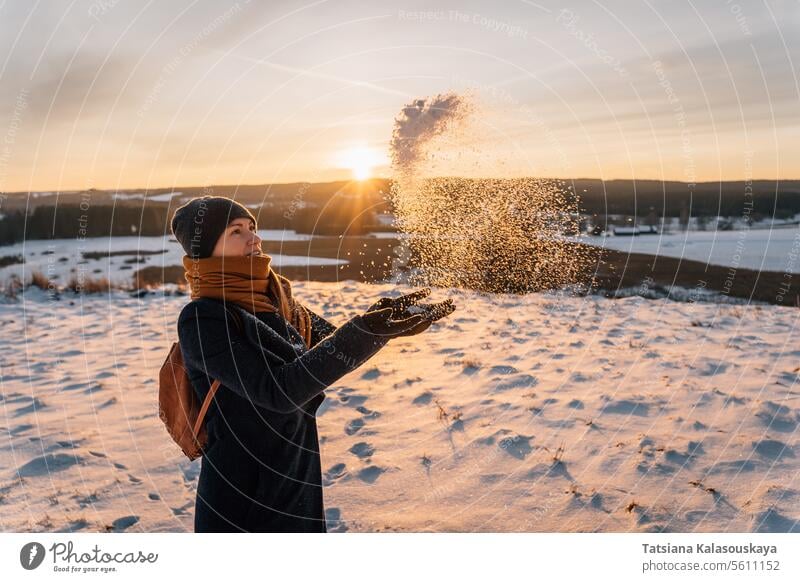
(296, 193)
(597, 196)
(329, 208)
(631, 197)
(348, 207)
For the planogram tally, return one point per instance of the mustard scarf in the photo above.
(249, 282)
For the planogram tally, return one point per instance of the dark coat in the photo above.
(261, 470)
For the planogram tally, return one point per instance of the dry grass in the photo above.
(559, 454)
(40, 280)
(442, 413)
(152, 277)
(46, 522)
(88, 285)
(451, 420)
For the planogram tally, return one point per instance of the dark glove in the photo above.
(400, 304)
(432, 311)
(401, 316)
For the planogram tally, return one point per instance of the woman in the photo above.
(261, 466)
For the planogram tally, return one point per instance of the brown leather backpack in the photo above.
(178, 405)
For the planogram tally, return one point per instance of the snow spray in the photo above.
(493, 234)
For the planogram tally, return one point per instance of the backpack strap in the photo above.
(206, 403)
(214, 385)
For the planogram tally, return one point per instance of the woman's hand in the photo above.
(399, 304)
(432, 311)
(402, 316)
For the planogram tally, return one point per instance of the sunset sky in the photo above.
(122, 94)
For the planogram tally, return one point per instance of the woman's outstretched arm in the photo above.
(320, 327)
(260, 376)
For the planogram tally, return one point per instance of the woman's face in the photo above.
(239, 239)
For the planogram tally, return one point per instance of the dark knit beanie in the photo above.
(199, 223)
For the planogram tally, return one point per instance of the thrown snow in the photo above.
(663, 416)
(480, 233)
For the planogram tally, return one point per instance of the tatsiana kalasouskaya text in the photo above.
(708, 549)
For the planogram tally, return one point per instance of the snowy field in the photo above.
(516, 413)
(66, 258)
(758, 249)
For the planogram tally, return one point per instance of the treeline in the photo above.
(69, 221)
(778, 198)
(72, 221)
(335, 208)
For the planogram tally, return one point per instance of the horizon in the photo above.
(178, 188)
(132, 97)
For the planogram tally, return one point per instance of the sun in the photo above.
(362, 172)
(361, 161)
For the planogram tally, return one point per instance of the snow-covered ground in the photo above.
(664, 416)
(758, 249)
(66, 259)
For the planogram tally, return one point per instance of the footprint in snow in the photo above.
(371, 474)
(354, 426)
(362, 450)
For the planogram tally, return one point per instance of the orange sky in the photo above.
(121, 95)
